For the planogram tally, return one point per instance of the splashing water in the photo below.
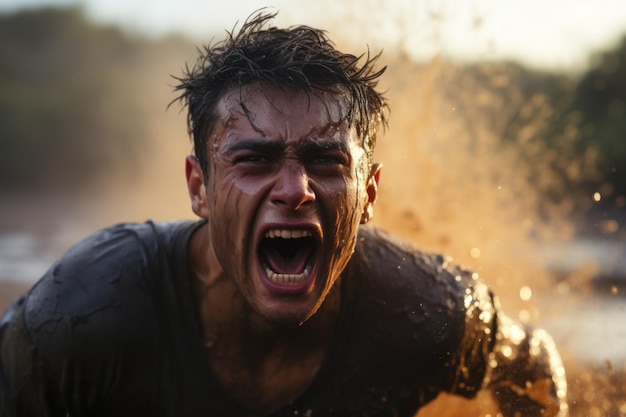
(463, 175)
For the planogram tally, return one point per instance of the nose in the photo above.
(292, 188)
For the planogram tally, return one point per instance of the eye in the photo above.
(328, 164)
(337, 158)
(252, 159)
(325, 160)
(254, 163)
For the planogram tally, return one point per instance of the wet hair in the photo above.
(298, 57)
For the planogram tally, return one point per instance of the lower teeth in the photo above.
(287, 278)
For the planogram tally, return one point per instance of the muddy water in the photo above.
(451, 186)
(447, 185)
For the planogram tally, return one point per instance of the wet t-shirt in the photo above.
(112, 330)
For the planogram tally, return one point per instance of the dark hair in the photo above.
(299, 57)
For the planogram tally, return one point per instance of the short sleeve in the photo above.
(24, 390)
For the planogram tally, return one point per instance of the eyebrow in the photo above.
(267, 145)
(264, 145)
(312, 145)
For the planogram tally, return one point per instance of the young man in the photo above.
(278, 302)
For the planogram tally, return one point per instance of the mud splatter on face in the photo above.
(285, 194)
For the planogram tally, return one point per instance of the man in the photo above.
(277, 302)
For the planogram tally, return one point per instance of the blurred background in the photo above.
(506, 149)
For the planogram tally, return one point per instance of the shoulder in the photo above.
(426, 306)
(416, 316)
(97, 324)
(102, 288)
(387, 264)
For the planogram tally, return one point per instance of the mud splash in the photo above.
(449, 185)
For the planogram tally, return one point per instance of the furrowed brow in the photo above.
(264, 145)
(312, 145)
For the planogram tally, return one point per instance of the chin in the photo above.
(287, 312)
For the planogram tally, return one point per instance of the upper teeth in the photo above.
(287, 234)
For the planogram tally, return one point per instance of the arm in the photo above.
(466, 341)
(23, 387)
(527, 374)
(519, 365)
(73, 341)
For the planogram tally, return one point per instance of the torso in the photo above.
(394, 346)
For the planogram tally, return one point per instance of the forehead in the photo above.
(282, 112)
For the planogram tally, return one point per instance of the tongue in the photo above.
(293, 264)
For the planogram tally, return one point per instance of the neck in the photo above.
(261, 364)
(229, 321)
(264, 366)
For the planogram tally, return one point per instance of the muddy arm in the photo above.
(527, 377)
(519, 365)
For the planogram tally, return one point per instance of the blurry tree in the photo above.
(601, 97)
(573, 128)
(72, 97)
(528, 114)
(74, 100)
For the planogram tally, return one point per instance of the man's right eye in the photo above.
(251, 159)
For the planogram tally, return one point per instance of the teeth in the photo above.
(287, 234)
(287, 278)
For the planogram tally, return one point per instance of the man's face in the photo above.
(287, 187)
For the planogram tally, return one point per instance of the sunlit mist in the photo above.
(480, 161)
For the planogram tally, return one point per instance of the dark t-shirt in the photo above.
(112, 330)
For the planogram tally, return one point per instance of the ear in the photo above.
(196, 187)
(372, 192)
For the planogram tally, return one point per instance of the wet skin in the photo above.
(287, 187)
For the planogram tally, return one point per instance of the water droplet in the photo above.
(525, 293)
(524, 316)
(475, 253)
(485, 316)
(507, 351)
(597, 196)
(417, 315)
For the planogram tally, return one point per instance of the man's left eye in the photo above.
(329, 160)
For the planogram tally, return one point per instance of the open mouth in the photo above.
(287, 256)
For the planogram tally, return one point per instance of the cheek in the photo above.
(233, 195)
(231, 210)
(345, 204)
